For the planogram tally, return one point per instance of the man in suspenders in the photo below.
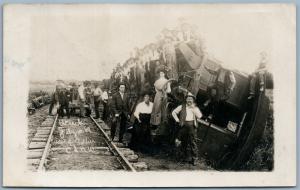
(188, 114)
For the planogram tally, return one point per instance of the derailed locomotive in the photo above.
(228, 135)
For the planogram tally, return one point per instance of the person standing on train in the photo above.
(257, 77)
(169, 56)
(97, 93)
(120, 109)
(188, 115)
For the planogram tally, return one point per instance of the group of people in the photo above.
(139, 70)
(149, 116)
(149, 71)
(86, 96)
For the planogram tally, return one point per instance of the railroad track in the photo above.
(121, 158)
(40, 144)
(49, 146)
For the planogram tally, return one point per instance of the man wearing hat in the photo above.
(188, 115)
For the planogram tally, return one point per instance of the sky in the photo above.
(86, 42)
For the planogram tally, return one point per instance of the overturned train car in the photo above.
(227, 136)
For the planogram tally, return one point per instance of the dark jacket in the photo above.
(63, 97)
(54, 97)
(120, 105)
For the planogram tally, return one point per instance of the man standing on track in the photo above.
(97, 92)
(104, 98)
(82, 99)
(54, 99)
(63, 99)
(120, 110)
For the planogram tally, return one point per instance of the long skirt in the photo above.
(156, 111)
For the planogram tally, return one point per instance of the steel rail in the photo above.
(45, 152)
(114, 147)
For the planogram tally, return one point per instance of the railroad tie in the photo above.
(33, 162)
(45, 127)
(37, 145)
(47, 123)
(31, 168)
(120, 145)
(35, 154)
(41, 130)
(105, 127)
(126, 151)
(132, 158)
(38, 139)
(140, 166)
(41, 136)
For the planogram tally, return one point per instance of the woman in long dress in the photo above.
(162, 88)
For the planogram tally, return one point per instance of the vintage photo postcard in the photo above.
(149, 95)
